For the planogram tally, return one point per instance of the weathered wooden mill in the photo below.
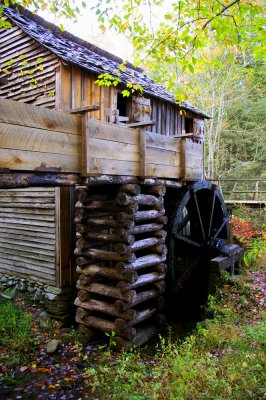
(123, 175)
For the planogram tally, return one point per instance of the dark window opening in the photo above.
(188, 125)
(122, 105)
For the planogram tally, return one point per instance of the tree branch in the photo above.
(222, 11)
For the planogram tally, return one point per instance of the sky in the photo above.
(87, 28)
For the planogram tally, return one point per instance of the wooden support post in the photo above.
(142, 144)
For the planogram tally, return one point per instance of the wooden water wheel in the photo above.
(198, 242)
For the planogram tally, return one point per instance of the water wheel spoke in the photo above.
(183, 223)
(225, 220)
(189, 241)
(199, 216)
(211, 216)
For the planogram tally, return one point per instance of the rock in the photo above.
(52, 346)
(56, 290)
(22, 287)
(38, 295)
(31, 289)
(45, 320)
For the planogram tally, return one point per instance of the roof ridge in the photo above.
(70, 36)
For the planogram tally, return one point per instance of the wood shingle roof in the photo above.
(82, 54)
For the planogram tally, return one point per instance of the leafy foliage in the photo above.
(253, 240)
(60, 8)
(182, 31)
(107, 80)
(243, 230)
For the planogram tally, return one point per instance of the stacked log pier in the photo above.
(121, 261)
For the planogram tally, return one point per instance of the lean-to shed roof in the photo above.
(78, 52)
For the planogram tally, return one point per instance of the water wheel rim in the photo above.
(206, 228)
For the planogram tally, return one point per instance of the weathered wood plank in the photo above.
(142, 152)
(26, 222)
(19, 180)
(193, 174)
(44, 254)
(41, 140)
(163, 142)
(33, 160)
(31, 244)
(14, 237)
(12, 112)
(64, 238)
(101, 166)
(42, 230)
(113, 150)
(163, 171)
(76, 87)
(163, 157)
(63, 87)
(112, 132)
(25, 202)
(30, 264)
(27, 273)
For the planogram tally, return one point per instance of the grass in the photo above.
(15, 332)
(223, 358)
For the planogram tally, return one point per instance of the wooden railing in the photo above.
(243, 190)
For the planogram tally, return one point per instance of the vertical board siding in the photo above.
(78, 89)
(28, 233)
(167, 117)
(29, 68)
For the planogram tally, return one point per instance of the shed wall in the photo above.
(36, 234)
(29, 68)
(28, 233)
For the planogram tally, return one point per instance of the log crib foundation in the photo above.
(121, 255)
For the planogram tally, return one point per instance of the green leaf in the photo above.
(191, 68)
(9, 62)
(125, 93)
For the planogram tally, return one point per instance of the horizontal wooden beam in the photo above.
(17, 180)
(244, 191)
(194, 136)
(90, 108)
(141, 124)
(237, 180)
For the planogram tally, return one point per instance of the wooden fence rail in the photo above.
(243, 190)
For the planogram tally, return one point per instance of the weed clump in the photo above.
(15, 332)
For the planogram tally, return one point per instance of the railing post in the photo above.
(256, 194)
